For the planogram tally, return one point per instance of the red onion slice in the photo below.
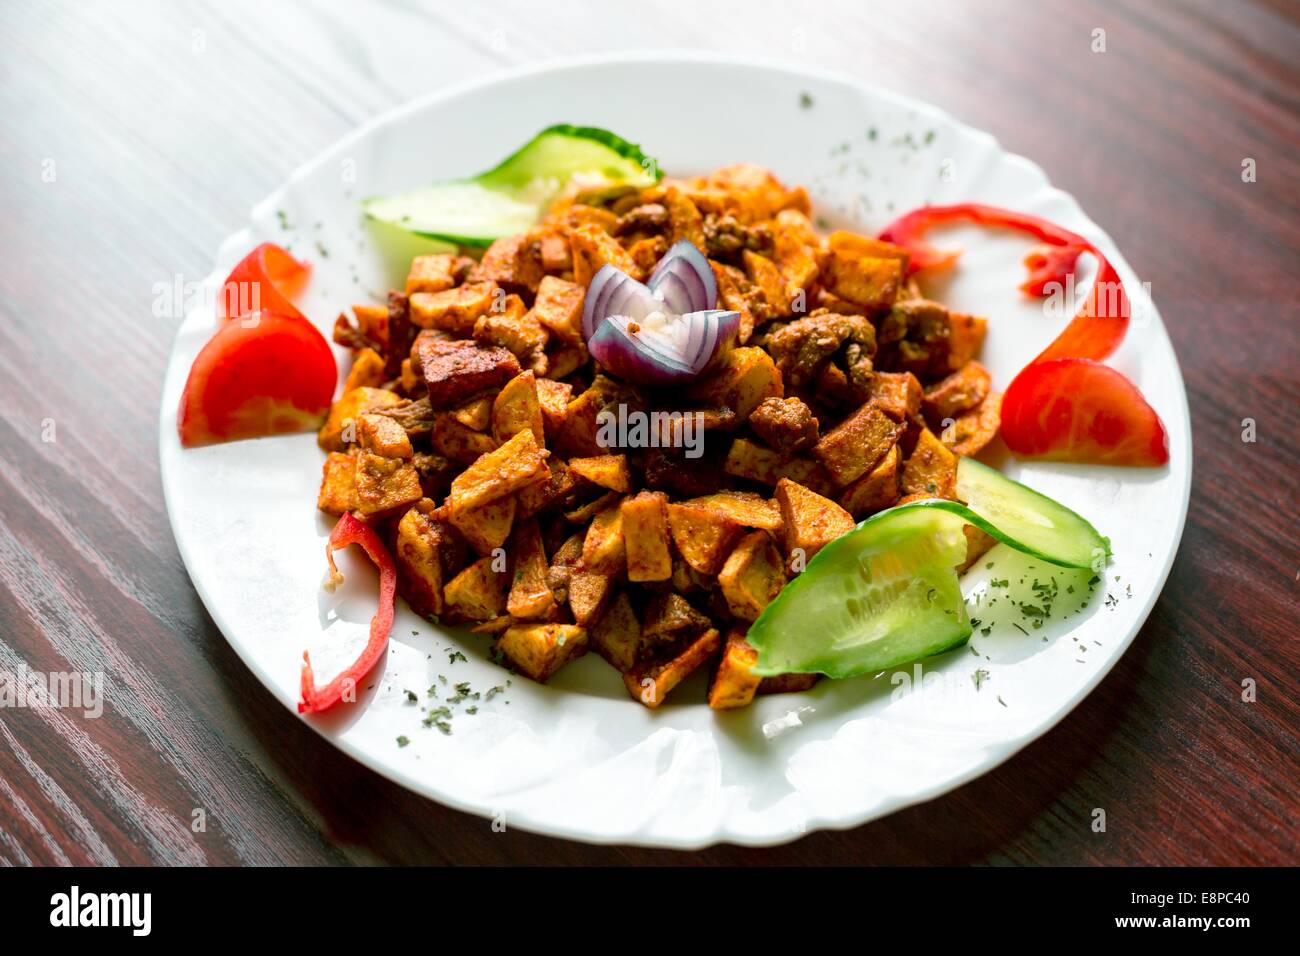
(670, 355)
(684, 280)
(614, 292)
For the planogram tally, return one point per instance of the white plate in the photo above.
(578, 758)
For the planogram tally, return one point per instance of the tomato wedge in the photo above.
(267, 374)
(1075, 409)
(265, 280)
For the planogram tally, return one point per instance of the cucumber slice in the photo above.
(511, 197)
(887, 593)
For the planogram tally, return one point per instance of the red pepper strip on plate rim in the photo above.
(352, 530)
(1041, 417)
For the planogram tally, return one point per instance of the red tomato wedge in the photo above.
(267, 374)
(1079, 410)
(265, 280)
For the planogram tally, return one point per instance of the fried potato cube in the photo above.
(343, 414)
(372, 322)
(542, 494)
(733, 685)
(810, 522)
(647, 252)
(555, 253)
(744, 508)
(585, 512)
(381, 435)
(588, 593)
(652, 680)
(518, 408)
(965, 338)
(385, 485)
(851, 448)
(703, 537)
(959, 392)
(487, 526)
(562, 361)
(539, 650)
(747, 459)
(512, 327)
(669, 616)
(795, 250)
(735, 294)
(608, 471)
(477, 593)
(501, 472)
(338, 484)
(646, 537)
(577, 434)
(530, 597)
(684, 218)
(455, 371)
(752, 576)
(435, 273)
(616, 635)
(855, 246)
(418, 556)
(787, 683)
(971, 432)
(453, 310)
(766, 277)
(897, 394)
(554, 398)
(457, 441)
(592, 248)
(868, 281)
(604, 550)
(513, 262)
(877, 489)
(475, 414)
(978, 543)
(367, 371)
(931, 469)
(559, 308)
(740, 382)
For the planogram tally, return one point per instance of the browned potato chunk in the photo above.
(752, 576)
(541, 495)
(592, 248)
(961, 391)
(766, 277)
(740, 382)
(971, 432)
(703, 537)
(616, 636)
(795, 249)
(852, 447)
(651, 681)
(733, 685)
(511, 326)
(338, 484)
(454, 310)
(457, 441)
(978, 542)
(746, 459)
(867, 281)
(475, 414)
(608, 471)
(877, 489)
(786, 424)
(539, 650)
(367, 371)
(589, 591)
(810, 522)
(854, 246)
(744, 508)
(477, 593)
(435, 273)
(530, 597)
(965, 338)
(518, 462)
(487, 526)
(419, 560)
(517, 408)
(381, 435)
(372, 322)
(554, 398)
(514, 262)
(646, 537)
(897, 394)
(603, 550)
(385, 485)
(343, 414)
(931, 469)
(668, 616)
(559, 308)
(457, 370)
(562, 361)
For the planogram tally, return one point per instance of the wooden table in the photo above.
(134, 138)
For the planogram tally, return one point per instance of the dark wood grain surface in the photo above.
(135, 136)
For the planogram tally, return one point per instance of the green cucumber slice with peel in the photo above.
(887, 592)
(512, 196)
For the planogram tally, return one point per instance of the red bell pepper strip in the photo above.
(352, 530)
(263, 281)
(1041, 415)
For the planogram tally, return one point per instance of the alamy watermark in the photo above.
(83, 691)
(632, 428)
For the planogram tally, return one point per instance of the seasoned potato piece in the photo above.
(511, 326)
(852, 447)
(855, 246)
(478, 593)
(735, 293)
(733, 685)
(381, 435)
(978, 542)
(608, 471)
(367, 371)
(409, 380)
(540, 495)
(746, 459)
(385, 485)
(592, 248)
(554, 398)
(588, 593)
(931, 469)
(766, 277)
(517, 408)
(457, 441)
(603, 550)
(744, 508)
(703, 537)
(753, 576)
(741, 380)
(454, 310)
(418, 556)
(647, 252)
(810, 522)
(787, 683)
(577, 433)
(652, 680)
(475, 414)
(795, 250)
(514, 263)
(435, 273)
(616, 636)
(559, 308)
(539, 650)
(556, 257)
(530, 597)
(646, 537)
(897, 394)
(343, 414)
(877, 489)
(486, 526)
(563, 360)
(965, 338)
(961, 391)
(668, 616)
(372, 322)
(518, 462)
(868, 281)
(338, 484)
(971, 432)
(684, 219)
(584, 513)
